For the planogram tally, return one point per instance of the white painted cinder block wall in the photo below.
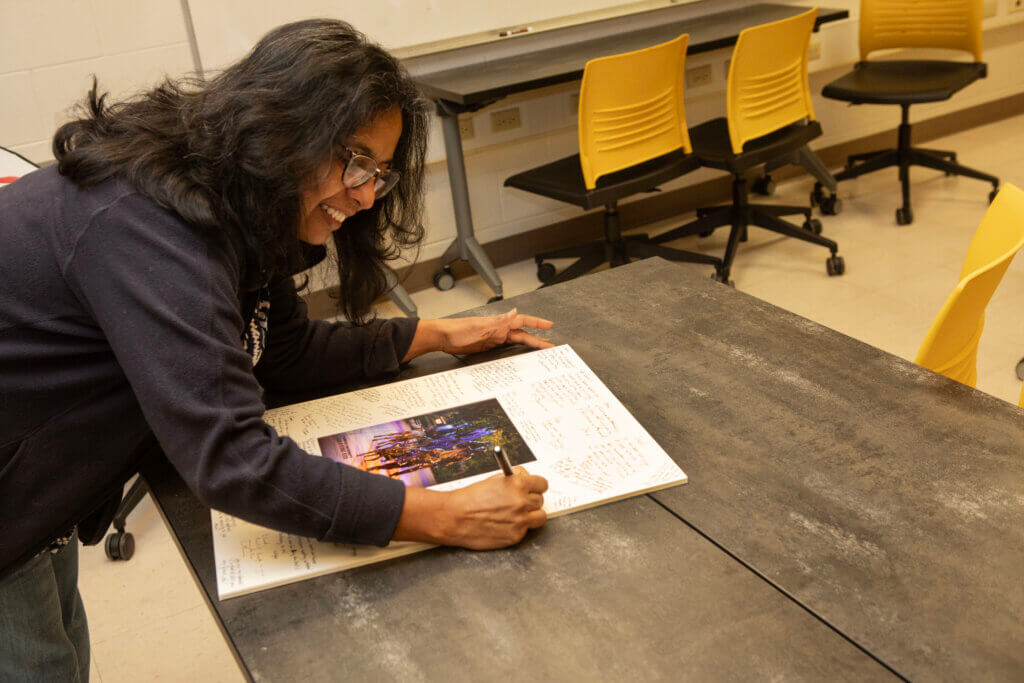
(51, 49)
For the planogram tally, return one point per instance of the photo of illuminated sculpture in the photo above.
(433, 448)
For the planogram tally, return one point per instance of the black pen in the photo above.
(503, 462)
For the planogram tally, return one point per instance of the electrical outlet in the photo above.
(814, 50)
(1017, 5)
(698, 76)
(506, 119)
(466, 129)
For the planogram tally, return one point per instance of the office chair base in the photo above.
(614, 249)
(904, 156)
(741, 214)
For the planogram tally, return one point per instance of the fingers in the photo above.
(531, 321)
(534, 482)
(520, 337)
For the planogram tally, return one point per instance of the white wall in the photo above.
(52, 47)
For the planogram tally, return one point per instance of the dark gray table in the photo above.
(849, 515)
(531, 61)
(621, 592)
(886, 499)
(625, 591)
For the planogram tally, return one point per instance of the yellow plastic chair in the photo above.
(632, 138)
(770, 118)
(890, 24)
(951, 345)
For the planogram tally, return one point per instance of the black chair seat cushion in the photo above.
(712, 146)
(904, 81)
(563, 179)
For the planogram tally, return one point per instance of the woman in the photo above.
(147, 288)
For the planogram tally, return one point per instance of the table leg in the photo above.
(399, 295)
(465, 245)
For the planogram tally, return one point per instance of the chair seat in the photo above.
(711, 144)
(904, 81)
(563, 179)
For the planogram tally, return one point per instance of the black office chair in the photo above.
(769, 119)
(633, 137)
(885, 24)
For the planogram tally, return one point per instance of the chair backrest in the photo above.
(951, 24)
(768, 86)
(951, 345)
(631, 109)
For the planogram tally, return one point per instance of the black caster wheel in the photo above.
(812, 225)
(992, 195)
(545, 273)
(1020, 369)
(443, 279)
(496, 297)
(835, 265)
(717, 277)
(904, 216)
(831, 205)
(706, 233)
(120, 545)
(764, 185)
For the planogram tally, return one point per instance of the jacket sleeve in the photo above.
(304, 354)
(164, 296)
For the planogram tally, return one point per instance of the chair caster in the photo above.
(763, 185)
(835, 265)
(829, 204)
(495, 298)
(120, 545)
(443, 279)
(718, 277)
(904, 216)
(706, 233)
(545, 273)
(812, 225)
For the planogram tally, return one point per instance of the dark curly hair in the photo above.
(232, 153)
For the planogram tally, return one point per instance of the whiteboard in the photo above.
(226, 29)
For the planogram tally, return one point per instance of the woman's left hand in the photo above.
(472, 335)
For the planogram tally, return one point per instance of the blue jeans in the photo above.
(43, 632)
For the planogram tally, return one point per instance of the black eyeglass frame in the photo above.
(384, 181)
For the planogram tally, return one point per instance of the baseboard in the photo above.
(664, 205)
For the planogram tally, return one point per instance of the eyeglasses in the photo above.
(361, 168)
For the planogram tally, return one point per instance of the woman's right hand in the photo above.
(493, 513)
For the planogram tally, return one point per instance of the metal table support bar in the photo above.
(465, 245)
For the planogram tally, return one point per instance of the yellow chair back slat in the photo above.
(631, 109)
(768, 86)
(951, 345)
(951, 24)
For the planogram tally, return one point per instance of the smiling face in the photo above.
(326, 202)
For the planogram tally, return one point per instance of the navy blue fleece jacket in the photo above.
(117, 318)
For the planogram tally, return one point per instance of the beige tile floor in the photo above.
(147, 619)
